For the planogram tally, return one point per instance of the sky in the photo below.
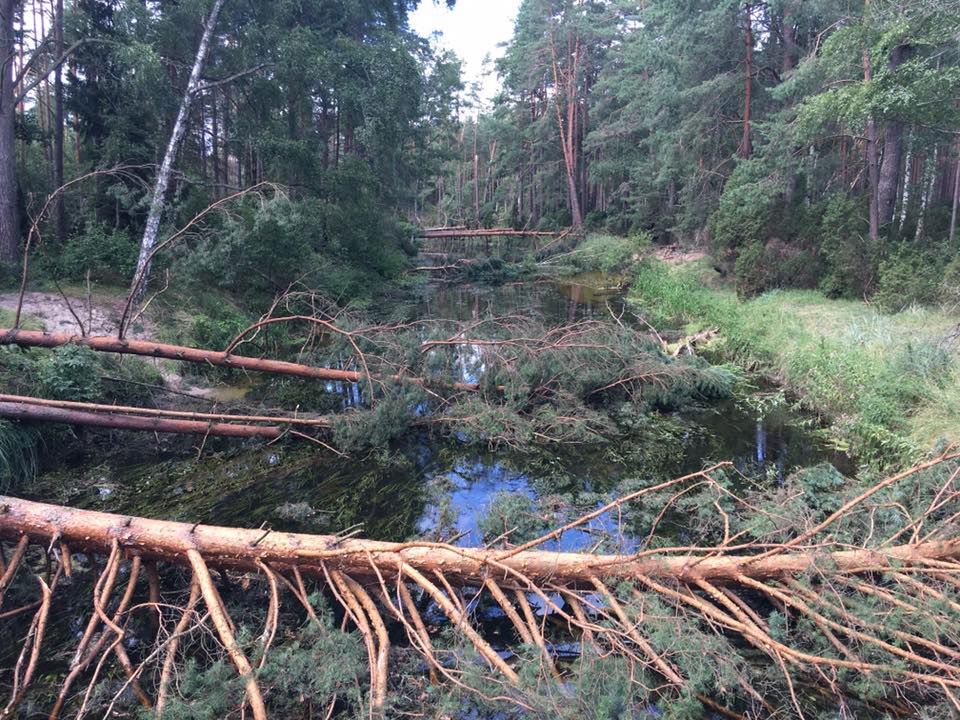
(472, 29)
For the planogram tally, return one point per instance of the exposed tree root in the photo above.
(612, 605)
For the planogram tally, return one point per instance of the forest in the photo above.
(336, 384)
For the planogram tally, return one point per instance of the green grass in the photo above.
(888, 383)
(607, 254)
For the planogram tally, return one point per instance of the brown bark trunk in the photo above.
(237, 548)
(485, 232)
(956, 196)
(30, 338)
(21, 411)
(9, 221)
(746, 144)
(59, 210)
(873, 170)
(890, 169)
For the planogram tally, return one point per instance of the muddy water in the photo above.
(442, 489)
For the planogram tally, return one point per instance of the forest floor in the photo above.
(100, 315)
(888, 383)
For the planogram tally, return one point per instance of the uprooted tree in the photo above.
(789, 611)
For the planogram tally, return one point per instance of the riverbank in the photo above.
(889, 385)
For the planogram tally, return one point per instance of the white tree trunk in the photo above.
(907, 179)
(926, 190)
(956, 196)
(141, 276)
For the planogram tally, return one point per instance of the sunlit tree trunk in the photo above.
(142, 273)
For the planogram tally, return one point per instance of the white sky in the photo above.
(473, 30)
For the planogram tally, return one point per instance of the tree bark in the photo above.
(746, 143)
(9, 220)
(22, 411)
(892, 153)
(241, 549)
(59, 209)
(956, 196)
(30, 338)
(142, 274)
(873, 169)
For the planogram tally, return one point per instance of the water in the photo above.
(442, 489)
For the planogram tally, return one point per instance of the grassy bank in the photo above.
(889, 384)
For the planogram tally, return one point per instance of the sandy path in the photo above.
(103, 316)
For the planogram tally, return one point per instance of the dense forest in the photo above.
(804, 143)
(334, 386)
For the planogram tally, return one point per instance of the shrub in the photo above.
(850, 257)
(950, 285)
(109, 254)
(607, 253)
(754, 275)
(909, 276)
(747, 210)
(775, 264)
(70, 373)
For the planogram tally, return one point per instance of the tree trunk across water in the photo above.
(242, 549)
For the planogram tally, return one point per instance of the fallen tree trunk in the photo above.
(824, 615)
(492, 232)
(144, 348)
(242, 549)
(320, 422)
(43, 413)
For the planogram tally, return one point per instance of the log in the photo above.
(492, 232)
(145, 348)
(43, 413)
(243, 549)
(305, 421)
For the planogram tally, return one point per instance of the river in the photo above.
(443, 488)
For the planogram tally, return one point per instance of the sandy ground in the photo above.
(50, 309)
(677, 255)
(101, 318)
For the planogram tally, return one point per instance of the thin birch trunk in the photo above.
(926, 190)
(141, 276)
(907, 179)
(956, 196)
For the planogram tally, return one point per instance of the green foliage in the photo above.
(747, 208)
(909, 276)
(108, 254)
(71, 372)
(513, 517)
(18, 455)
(605, 253)
(850, 256)
(950, 285)
(390, 418)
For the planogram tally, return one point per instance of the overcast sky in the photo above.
(473, 30)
